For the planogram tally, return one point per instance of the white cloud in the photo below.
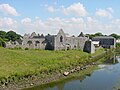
(72, 26)
(94, 25)
(51, 9)
(76, 9)
(104, 12)
(7, 9)
(7, 22)
(110, 9)
(29, 25)
(26, 21)
(52, 25)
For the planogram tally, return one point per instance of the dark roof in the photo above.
(38, 37)
(50, 35)
(103, 37)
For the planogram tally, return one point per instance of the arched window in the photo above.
(74, 46)
(61, 39)
(36, 43)
(29, 42)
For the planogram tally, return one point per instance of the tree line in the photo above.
(7, 36)
(13, 36)
(116, 36)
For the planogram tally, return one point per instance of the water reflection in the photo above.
(112, 60)
(105, 78)
(109, 63)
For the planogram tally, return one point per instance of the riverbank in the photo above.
(118, 48)
(55, 77)
(105, 76)
(72, 76)
(35, 67)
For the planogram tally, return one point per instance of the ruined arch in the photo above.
(29, 42)
(36, 43)
(61, 38)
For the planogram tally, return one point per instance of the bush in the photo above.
(2, 42)
(17, 47)
(26, 48)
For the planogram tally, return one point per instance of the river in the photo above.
(107, 77)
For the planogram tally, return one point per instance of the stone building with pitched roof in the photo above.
(54, 42)
(105, 41)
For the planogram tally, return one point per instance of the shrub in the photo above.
(17, 47)
(26, 48)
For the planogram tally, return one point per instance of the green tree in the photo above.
(2, 42)
(98, 34)
(3, 35)
(115, 36)
(11, 35)
(94, 35)
(90, 35)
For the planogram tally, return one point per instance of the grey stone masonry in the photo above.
(61, 41)
(89, 47)
(52, 42)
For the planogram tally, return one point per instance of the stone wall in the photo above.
(60, 41)
(12, 44)
(76, 42)
(34, 43)
(53, 42)
(89, 47)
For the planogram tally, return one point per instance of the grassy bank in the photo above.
(16, 65)
(100, 57)
(74, 76)
(118, 48)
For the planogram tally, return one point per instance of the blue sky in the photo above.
(48, 16)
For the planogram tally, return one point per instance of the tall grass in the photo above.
(24, 63)
(118, 48)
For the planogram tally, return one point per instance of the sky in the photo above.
(48, 16)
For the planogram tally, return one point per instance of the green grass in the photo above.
(118, 48)
(101, 50)
(73, 76)
(18, 63)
